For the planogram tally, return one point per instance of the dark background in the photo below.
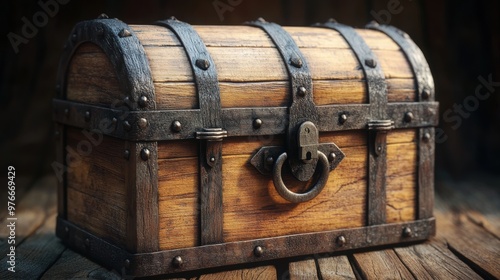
(459, 38)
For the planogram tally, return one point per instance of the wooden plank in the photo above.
(433, 260)
(37, 253)
(31, 211)
(383, 264)
(261, 272)
(335, 268)
(96, 191)
(303, 270)
(473, 244)
(72, 265)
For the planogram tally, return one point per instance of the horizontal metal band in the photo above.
(217, 255)
(184, 124)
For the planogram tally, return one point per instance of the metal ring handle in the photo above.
(300, 197)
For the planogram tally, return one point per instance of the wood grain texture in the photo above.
(250, 70)
(72, 265)
(383, 264)
(261, 273)
(252, 207)
(335, 268)
(303, 270)
(433, 260)
(96, 186)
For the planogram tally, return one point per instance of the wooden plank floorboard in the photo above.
(258, 273)
(303, 270)
(335, 268)
(383, 264)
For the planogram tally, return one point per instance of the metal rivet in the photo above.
(370, 62)
(126, 99)
(257, 123)
(143, 123)
(177, 262)
(126, 154)
(173, 18)
(176, 126)
(126, 263)
(426, 137)
(379, 149)
(143, 101)
(269, 160)
(87, 242)
(127, 126)
(258, 251)
(87, 116)
(73, 37)
(296, 62)
(66, 112)
(426, 93)
(374, 23)
(202, 63)
(302, 91)
(407, 232)
(261, 20)
(341, 240)
(342, 118)
(125, 33)
(332, 20)
(114, 121)
(332, 156)
(103, 16)
(212, 159)
(408, 117)
(145, 153)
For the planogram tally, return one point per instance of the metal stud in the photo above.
(73, 37)
(212, 159)
(269, 160)
(143, 101)
(426, 93)
(258, 251)
(426, 137)
(87, 116)
(114, 121)
(302, 91)
(408, 117)
(374, 23)
(261, 20)
(126, 154)
(103, 16)
(177, 261)
(127, 126)
(145, 153)
(370, 62)
(202, 63)
(296, 62)
(407, 232)
(257, 123)
(125, 33)
(341, 240)
(332, 156)
(126, 263)
(332, 20)
(143, 123)
(176, 126)
(342, 118)
(173, 18)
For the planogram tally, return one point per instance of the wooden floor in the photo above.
(467, 244)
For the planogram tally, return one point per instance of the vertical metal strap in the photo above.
(302, 108)
(210, 159)
(426, 146)
(378, 124)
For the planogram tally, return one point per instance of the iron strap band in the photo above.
(426, 137)
(242, 252)
(302, 108)
(156, 125)
(378, 125)
(210, 159)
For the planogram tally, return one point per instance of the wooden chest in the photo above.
(183, 148)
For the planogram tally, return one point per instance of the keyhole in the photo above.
(308, 155)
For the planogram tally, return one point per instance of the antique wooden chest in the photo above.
(183, 148)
